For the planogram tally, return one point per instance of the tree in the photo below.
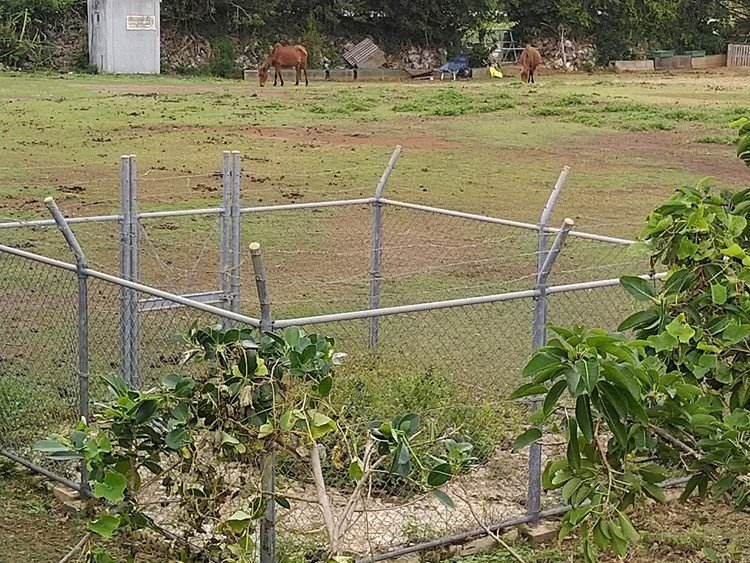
(618, 28)
(670, 392)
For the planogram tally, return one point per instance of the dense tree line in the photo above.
(618, 28)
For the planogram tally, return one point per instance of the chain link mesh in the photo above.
(38, 359)
(453, 366)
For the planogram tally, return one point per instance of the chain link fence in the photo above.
(434, 308)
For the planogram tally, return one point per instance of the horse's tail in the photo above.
(303, 49)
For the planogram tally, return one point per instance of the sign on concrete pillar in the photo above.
(124, 36)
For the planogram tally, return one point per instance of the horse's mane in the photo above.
(267, 63)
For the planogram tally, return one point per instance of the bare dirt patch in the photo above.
(676, 149)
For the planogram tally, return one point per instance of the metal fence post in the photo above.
(83, 323)
(125, 270)
(377, 247)
(268, 472)
(135, 273)
(534, 502)
(236, 233)
(225, 222)
(539, 336)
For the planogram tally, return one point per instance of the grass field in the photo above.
(490, 147)
(486, 147)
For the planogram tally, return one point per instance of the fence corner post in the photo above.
(225, 232)
(236, 219)
(376, 253)
(539, 334)
(135, 272)
(83, 324)
(268, 468)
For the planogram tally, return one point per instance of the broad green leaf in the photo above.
(282, 502)
(573, 453)
(292, 336)
(686, 249)
(619, 545)
(439, 475)
(112, 488)
(550, 401)
(146, 409)
(653, 492)
(734, 332)
(177, 438)
(680, 329)
(718, 294)
(640, 289)
(538, 362)
(56, 449)
(531, 436)
(663, 342)
(679, 280)
(265, 430)
(325, 386)
(287, 420)
(565, 528)
(445, 499)
(570, 488)
(356, 469)
(105, 525)
(320, 425)
(583, 417)
(627, 527)
(734, 251)
(697, 222)
(588, 370)
(527, 390)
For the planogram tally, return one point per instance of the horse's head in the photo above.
(263, 75)
(524, 74)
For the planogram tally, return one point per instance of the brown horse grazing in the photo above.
(294, 56)
(530, 59)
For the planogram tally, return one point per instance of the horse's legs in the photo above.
(275, 75)
(305, 69)
(298, 74)
(281, 77)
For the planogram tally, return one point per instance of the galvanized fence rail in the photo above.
(403, 254)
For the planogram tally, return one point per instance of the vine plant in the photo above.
(669, 393)
(254, 396)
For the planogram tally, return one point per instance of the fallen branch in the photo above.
(78, 547)
(494, 535)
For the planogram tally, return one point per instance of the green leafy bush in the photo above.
(258, 395)
(668, 393)
(222, 62)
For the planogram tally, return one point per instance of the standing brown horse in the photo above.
(294, 56)
(530, 59)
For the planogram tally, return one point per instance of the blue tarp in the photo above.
(456, 66)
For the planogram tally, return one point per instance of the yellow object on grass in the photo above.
(495, 73)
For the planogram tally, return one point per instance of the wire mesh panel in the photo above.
(100, 241)
(604, 307)
(584, 259)
(181, 254)
(317, 260)
(455, 368)
(38, 359)
(430, 256)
